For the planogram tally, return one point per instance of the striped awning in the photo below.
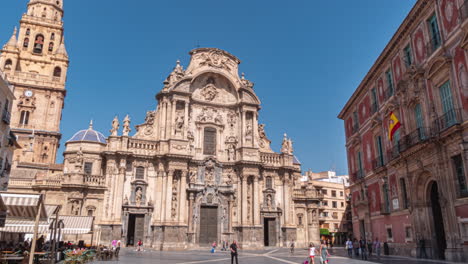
(74, 225)
(23, 205)
(23, 226)
(51, 209)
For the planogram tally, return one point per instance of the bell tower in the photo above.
(35, 61)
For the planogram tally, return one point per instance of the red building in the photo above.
(414, 188)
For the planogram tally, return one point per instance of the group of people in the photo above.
(363, 248)
(233, 248)
(321, 252)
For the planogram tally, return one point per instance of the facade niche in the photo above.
(38, 44)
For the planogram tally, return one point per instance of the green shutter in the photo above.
(434, 29)
(447, 104)
(419, 121)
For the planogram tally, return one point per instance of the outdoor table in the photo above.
(12, 258)
(37, 256)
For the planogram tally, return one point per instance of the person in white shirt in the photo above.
(349, 247)
(312, 252)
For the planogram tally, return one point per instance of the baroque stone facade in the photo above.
(412, 190)
(199, 169)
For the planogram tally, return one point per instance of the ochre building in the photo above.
(411, 192)
(199, 169)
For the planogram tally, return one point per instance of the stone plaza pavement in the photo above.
(270, 256)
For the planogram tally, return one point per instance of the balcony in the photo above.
(388, 93)
(417, 136)
(433, 44)
(6, 117)
(447, 120)
(374, 108)
(385, 208)
(463, 11)
(378, 162)
(357, 175)
(306, 194)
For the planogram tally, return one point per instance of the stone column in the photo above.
(170, 176)
(243, 128)
(186, 116)
(163, 197)
(255, 129)
(190, 216)
(286, 200)
(183, 197)
(158, 208)
(163, 119)
(244, 200)
(119, 190)
(256, 202)
(230, 214)
(172, 120)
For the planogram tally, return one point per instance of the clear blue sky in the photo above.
(305, 57)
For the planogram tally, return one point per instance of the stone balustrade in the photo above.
(304, 193)
(271, 159)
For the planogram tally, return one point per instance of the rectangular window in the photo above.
(386, 207)
(408, 232)
(324, 191)
(389, 77)
(408, 57)
(404, 193)
(209, 141)
(360, 173)
(325, 214)
(389, 233)
(356, 121)
(448, 118)
(460, 173)
(336, 226)
(341, 193)
(375, 101)
(380, 158)
(88, 168)
(140, 173)
(325, 203)
(333, 193)
(334, 204)
(342, 204)
(419, 121)
(434, 32)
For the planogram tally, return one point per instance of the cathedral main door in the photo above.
(135, 229)
(208, 225)
(269, 229)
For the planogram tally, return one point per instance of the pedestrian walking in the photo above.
(140, 245)
(312, 251)
(213, 247)
(324, 253)
(377, 247)
(356, 247)
(349, 247)
(234, 253)
(363, 248)
(117, 249)
(369, 247)
(291, 247)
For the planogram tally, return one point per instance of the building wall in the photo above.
(429, 138)
(7, 142)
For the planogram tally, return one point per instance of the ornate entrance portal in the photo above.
(135, 232)
(269, 232)
(208, 225)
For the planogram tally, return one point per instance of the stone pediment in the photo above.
(212, 58)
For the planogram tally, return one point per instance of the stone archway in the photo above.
(437, 220)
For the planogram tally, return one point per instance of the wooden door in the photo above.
(272, 232)
(208, 225)
(139, 228)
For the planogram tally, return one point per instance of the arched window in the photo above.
(38, 44)
(51, 46)
(24, 118)
(28, 32)
(57, 72)
(269, 183)
(52, 36)
(26, 42)
(44, 13)
(140, 173)
(209, 143)
(8, 64)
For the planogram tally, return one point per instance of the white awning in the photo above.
(74, 225)
(23, 205)
(23, 226)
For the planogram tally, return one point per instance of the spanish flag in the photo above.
(393, 126)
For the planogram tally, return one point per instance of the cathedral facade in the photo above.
(199, 169)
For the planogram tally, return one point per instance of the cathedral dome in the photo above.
(88, 135)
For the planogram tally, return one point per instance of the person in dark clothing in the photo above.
(369, 247)
(233, 248)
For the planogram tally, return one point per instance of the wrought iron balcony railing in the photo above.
(447, 120)
(378, 162)
(385, 208)
(434, 43)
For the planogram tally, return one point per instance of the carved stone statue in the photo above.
(115, 126)
(269, 200)
(126, 126)
(209, 92)
(286, 146)
(231, 152)
(248, 132)
(179, 124)
(125, 201)
(193, 177)
(209, 176)
(138, 196)
(229, 179)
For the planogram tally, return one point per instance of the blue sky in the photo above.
(305, 57)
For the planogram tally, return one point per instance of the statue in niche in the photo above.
(209, 198)
(231, 118)
(79, 160)
(75, 207)
(115, 126)
(248, 132)
(209, 176)
(314, 214)
(269, 201)
(231, 152)
(126, 126)
(125, 201)
(179, 123)
(229, 179)
(193, 177)
(174, 206)
(149, 119)
(138, 196)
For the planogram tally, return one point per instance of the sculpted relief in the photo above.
(213, 88)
